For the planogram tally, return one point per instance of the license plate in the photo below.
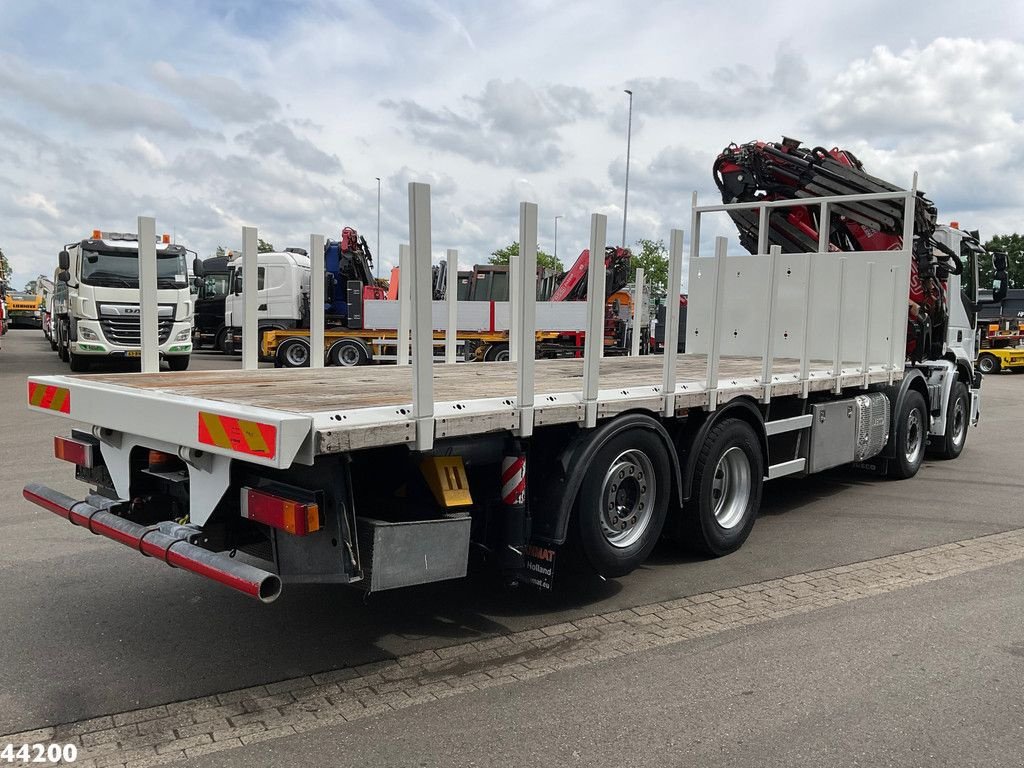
(133, 353)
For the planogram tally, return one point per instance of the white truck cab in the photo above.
(96, 301)
(282, 294)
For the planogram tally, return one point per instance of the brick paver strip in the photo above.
(170, 733)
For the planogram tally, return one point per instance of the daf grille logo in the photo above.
(130, 310)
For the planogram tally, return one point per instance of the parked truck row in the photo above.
(845, 337)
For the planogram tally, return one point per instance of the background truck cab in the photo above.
(96, 303)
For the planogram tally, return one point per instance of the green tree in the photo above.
(545, 260)
(264, 246)
(652, 255)
(1013, 247)
(5, 269)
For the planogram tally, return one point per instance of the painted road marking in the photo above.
(174, 732)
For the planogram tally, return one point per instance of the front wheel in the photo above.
(988, 364)
(958, 415)
(911, 436)
(178, 362)
(622, 502)
(79, 363)
(728, 479)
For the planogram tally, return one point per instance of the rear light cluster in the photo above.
(295, 517)
(76, 450)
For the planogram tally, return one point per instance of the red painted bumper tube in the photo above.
(247, 579)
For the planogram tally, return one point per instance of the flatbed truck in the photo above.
(385, 477)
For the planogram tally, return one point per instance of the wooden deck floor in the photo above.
(343, 389)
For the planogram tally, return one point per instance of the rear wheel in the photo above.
(497, 353)
(621, 506)
(727, 483)
(988, 364)
(347, 353)
(958, 415)
(911, 436)
(292, 353)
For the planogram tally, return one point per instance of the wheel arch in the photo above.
(559, 488)
(913, 381)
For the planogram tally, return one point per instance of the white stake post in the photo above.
(721, 248)
(594, 344)
(638, 311)
(452, 297)
(149, 330)
(675, 272)
(250, 300)
(404, 304)
(514, 302)
(526, 293)
(316, 301)
(422, 325)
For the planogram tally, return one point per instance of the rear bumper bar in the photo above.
(150, 541)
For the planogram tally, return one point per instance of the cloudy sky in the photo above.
(211, 115)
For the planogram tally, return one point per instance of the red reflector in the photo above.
(75, 451)
(291, 516)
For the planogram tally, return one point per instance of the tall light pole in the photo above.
(629, 138)
(556, 235)
(376, 261)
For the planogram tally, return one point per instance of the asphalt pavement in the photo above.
(89, 628)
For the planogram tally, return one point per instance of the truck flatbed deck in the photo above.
(340, 409)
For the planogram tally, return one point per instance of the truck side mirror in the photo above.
(197, 267)
(999, 285)
(64, 260)
(999, 261)
(63, 276)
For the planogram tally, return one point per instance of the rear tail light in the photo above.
(75, 450)
(295, 517)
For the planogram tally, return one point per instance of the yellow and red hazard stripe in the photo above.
(249, 437)
(49, 397)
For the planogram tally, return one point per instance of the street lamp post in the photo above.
(629, 138)
(556, 235)
(376, 261)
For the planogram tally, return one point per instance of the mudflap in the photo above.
(538, 567)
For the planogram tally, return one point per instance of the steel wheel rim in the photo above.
(296, 355)
(628, 495)
(959, 422)
(915, 438)
(348, 355)
(986, 365)
(730, 487)
(502, 356)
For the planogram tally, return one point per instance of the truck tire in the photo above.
(347, 353)
(911, 436)
(79, 363)
(958, 417)
(178, 362)
(988, 364)
(62, 343)
(622, 503)
(221, 343)
(497, 353)
(292, 353)
(727, 483)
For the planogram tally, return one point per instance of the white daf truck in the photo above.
(96, 301)
(796, 362)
